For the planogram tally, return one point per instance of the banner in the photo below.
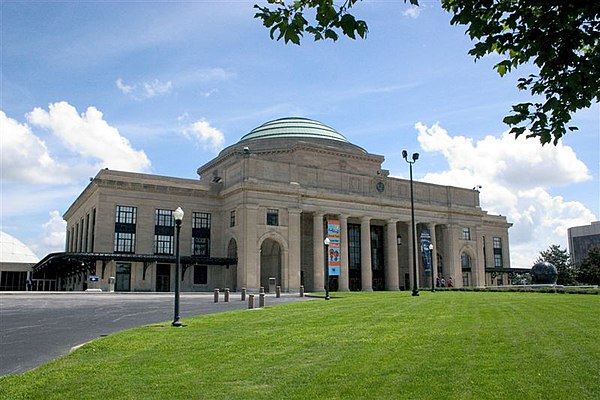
(333, 251)
(425, 251)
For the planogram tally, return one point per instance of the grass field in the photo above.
(444, 345)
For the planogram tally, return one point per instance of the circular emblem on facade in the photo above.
(380, 186)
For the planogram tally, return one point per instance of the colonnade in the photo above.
(392, 264)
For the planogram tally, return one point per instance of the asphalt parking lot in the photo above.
(37, 327)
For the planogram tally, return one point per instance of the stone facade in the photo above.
(268, 198)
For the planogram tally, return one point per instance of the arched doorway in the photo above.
(231, 271)
(466, 265)
(270, 263)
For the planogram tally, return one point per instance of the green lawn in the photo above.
(444, 345)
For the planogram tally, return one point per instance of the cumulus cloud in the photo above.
(144, 90)
(516, 176)
(412, 12)
(89, 135)
(53, 236)
(206, 136)
(25, 157)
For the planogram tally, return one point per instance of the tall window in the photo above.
(353, 246)
(164, 231)
(465, 261)
(87, 232)
(201, 234)
(232, 218)
(92, 230)
(497, 252)
(466, 234)
(273, 216)
(125, 222)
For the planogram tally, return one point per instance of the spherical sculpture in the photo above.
(544, 273)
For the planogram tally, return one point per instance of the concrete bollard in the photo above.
(226, 295)
(243, 294)
(302, 291)
(278, 291)
(250, 301)
(262, 289)
(216, 295)
(261, 300)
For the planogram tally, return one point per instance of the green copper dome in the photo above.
(294, 127)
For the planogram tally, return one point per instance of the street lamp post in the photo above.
(432, 264)
(415, 157)
(326, 242)
(178, 215)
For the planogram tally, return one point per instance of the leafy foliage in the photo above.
(561, 38)
(561, 259)
(589, 271)
(288, 22)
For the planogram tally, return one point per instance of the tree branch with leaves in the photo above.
(560, 38)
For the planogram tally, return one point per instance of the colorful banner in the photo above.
(425, 251)
(333, 251)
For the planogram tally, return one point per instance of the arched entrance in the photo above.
(270, 263)
(467, 258)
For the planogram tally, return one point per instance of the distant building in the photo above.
(16, 261)
(259, 214)
(582, 239)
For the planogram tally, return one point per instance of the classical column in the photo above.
(292, 280)
(249, 273)
(433, 254)
(452, 265)
(391, 257)
(344, 282)
(318, 253)
(366, 272)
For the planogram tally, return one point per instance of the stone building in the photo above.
(261, 210)
(581, 240)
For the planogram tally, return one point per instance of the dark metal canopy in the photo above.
(67, 263)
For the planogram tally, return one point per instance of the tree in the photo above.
(561, 38)
(589, 271)
(562, 261)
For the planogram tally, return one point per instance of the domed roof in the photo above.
(12, 250)
(294, 127)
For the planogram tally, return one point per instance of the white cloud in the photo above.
(144, 90)
(209, 92)
(157, 88)
(53, 236)
(516, 176)
(203, 75)
(89, 135)
(25, 158)
(208, 137)
(412, 12)
(126, 89)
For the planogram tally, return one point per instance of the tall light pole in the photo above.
(178, 215)
(415, 157)
(432, 264)
(326, 242)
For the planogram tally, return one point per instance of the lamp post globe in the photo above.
(415, 157)
(178, 216)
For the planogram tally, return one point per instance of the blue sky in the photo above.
(161, 87)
